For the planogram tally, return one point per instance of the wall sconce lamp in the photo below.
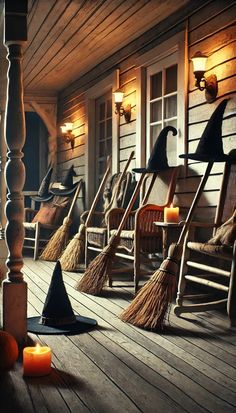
(120, 110)
(67, 133)
(209, 84)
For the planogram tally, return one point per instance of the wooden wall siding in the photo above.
(212, 30)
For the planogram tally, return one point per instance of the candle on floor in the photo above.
(171, 214)
(37, 361)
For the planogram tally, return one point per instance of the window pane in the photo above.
(156, 111)
(156, 85)
(109, 147)
(109, 108)
(170, 107)
(102, 111)
(171, 79)
(102, 148)
(109, 128)
(102, 130)
(171, 146)
(154, 132)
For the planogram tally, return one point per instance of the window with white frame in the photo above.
(161, 98)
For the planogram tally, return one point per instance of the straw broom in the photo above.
(74, 251)
(149, 307)
(58, 241)
(97, 272)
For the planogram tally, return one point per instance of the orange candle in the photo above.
(171, 214)
(37, 361)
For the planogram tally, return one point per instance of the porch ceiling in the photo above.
(67, 38)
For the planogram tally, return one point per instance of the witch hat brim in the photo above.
(64, 191)
(57, 316)
(82, 325)
(210, 146)
(38, 198)
(158, 158)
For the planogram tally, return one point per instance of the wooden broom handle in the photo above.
(146, 195)
(129, 206)
(101, 186)
(195, 202)
(74, 198)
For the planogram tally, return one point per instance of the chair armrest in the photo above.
(84, 215)
(29, 214)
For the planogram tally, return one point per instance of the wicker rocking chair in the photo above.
(96, 233)
(212, 265)
(140, 236)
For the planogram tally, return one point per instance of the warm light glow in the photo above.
(63, 129)
(37, 360)
(69, 126)
(37, 348)
(118, 96)
(199, 62)
(171, 214)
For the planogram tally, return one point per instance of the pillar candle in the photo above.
(171, 214)
(36, 361)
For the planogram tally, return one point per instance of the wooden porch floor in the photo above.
(119, 368)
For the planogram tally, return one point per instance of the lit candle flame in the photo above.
(37, 348)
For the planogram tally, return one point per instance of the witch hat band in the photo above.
(67, 187)
(210, 146)
(57, 315)
(158, 159)
(43, 192)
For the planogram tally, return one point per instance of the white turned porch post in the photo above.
(14, 287)
(3, 248)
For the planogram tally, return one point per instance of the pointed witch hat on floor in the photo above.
(149, 307)
(57, 315)
(97, 272)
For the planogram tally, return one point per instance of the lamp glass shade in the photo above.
(68, 126)
(199, 62)
(118, 96)
(64, 129)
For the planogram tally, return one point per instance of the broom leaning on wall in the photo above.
(97, 272)
(58, 241)
(74, 252)
(149, 307)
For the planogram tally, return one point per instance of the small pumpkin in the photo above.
(8, 350)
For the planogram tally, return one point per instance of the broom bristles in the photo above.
(97, 272)
(149, 307)
(74, 252)
(57, 243)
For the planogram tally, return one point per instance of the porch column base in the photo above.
(3, 257)
(14, 297)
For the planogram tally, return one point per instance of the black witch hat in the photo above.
(210, 146)
(158, 158)
(67, 187)
(57, 315)
(43, 192)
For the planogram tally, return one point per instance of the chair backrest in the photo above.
(227, 197)
(163, 189)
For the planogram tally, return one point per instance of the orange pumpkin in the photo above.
(8, 350)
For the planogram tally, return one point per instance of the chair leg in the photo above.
(136, 265)
(182, 280)
(36, 242)
(231, 303)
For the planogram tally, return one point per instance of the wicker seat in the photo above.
(140, 236)
(96, 233)
(211, 266)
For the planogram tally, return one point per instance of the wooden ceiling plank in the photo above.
(88, 55)
(41, 38)
(36, 18)
(111, 43)
(70, 33)
(51, 37)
